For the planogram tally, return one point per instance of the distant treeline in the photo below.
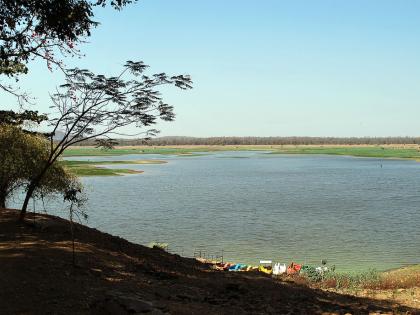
(265, 141)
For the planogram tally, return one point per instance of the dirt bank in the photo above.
(114, 276)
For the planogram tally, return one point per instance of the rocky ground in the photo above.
(114, 276)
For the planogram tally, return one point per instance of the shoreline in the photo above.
(112, 273)
(400, 152)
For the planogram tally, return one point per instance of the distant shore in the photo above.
(389, 151)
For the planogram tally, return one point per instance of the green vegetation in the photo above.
(123, 151)
(371, 278)
(90, 168)
(406, 277)
(159, 245)
(100, 171)
(22, 157)
(186, 151)
(74, 163)
(368, 151)
(359, 151)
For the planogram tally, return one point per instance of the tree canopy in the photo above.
(92, 106)
(21, 157)
(42, 29)
(9, 117)
(30, 28)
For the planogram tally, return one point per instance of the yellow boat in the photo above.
(266, 266)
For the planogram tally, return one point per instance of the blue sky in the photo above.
(268, 67)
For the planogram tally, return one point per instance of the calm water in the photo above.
(252, 205)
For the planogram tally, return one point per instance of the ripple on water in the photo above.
(349, 211)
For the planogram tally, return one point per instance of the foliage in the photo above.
(21, 156)
(159, 246)
(57, 180)
(9, 117)
(32, 29)
(91, 106)
(337, 280)
(14, 146)
(311, 273)
(402, 278)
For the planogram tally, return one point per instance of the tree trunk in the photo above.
(28, 196)
(31, 188)
(3, 196)
(2, 201)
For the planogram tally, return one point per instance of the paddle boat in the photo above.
(266, 266)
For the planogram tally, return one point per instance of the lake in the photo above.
(357, 213)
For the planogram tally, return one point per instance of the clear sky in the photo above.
(268, 67)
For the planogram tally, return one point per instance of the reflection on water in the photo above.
(350, 211)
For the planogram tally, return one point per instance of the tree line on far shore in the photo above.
(175, 140)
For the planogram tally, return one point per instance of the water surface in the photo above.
(357, 213)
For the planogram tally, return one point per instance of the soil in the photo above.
(114, 276)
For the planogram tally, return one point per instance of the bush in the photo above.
(22, 156)
(368, 279)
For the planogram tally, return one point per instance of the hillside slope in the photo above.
(114, 276)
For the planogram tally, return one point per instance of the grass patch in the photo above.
(406, 277)
(397, 152)
(74, 163)
(189, 154)
(370, 278)
(402, 278)
(90, 168)
(123, 151)
(101, 171)
(377, 152)
(169, 150)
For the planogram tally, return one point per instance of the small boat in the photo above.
(266, 266)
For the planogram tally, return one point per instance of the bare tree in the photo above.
(77, 202)
(91, 106)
